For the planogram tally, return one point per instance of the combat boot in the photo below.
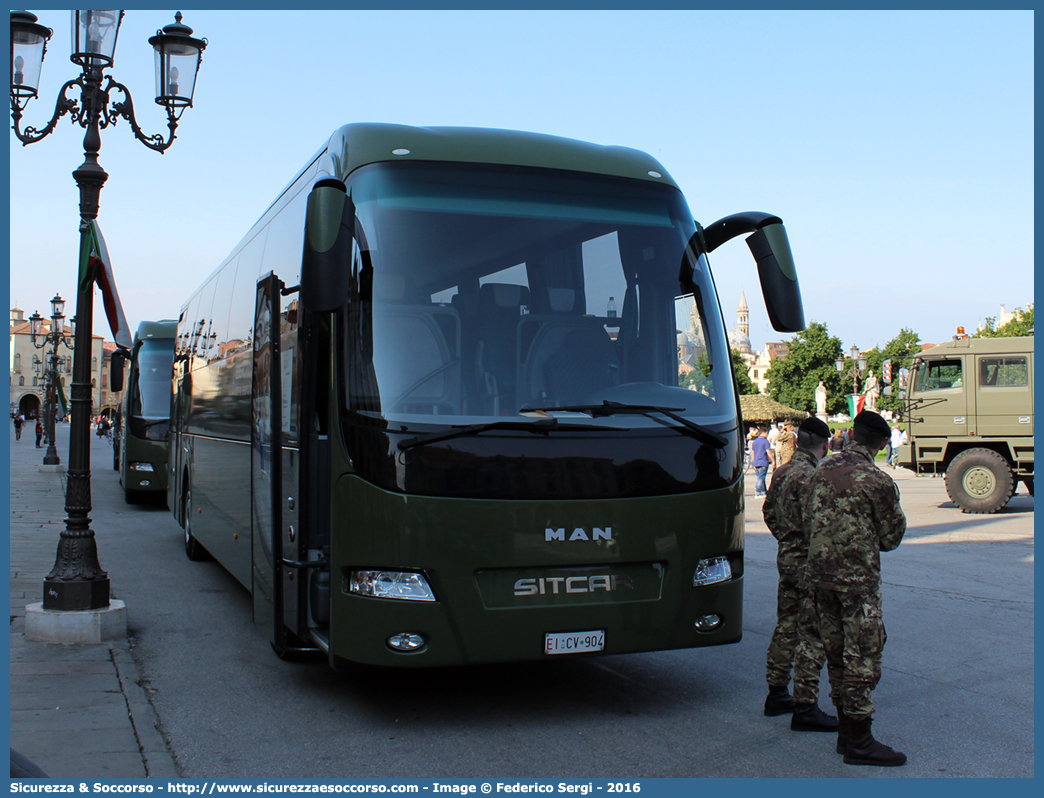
(863, 749)
(779, 701)
(810, 718)
(843, 731)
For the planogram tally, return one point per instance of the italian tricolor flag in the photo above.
(96, 268)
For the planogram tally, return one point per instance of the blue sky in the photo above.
(896, 146)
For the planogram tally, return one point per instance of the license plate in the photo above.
(574, 642)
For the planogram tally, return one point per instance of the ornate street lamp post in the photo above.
(52, 338)
(77, 581)
(855, 363)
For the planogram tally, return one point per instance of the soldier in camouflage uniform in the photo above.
(853, 514)
(795, 641)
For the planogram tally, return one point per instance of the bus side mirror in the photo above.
(116, 371)
(779, 283)
(326, 261)
(771, 249)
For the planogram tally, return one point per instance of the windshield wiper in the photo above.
(608, 408)
(542, 426)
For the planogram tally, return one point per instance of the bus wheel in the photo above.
(132, 496)
(193, 548)
(979, 481)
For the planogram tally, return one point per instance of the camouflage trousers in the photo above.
(795, 641)
(853, 638)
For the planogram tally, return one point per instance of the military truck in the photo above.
(969, 413)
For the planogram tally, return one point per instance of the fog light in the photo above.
(141, 467)
(707, 622)
(144, 483)
(407, 585)
(712, 570)
(406, 641)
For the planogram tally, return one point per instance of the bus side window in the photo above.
(222, 302)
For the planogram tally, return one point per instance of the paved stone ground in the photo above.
(77, 711)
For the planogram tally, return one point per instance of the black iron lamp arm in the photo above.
(126, 110)
(64, 105)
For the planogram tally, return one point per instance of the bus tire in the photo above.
(193, 548)
(132, 496)
(979, 481)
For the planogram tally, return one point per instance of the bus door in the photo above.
(273, 473)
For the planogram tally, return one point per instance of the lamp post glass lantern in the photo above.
(94, 36)
(28, 46)
(77, 581)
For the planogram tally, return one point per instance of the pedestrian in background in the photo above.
(898, 438)
(18, 421)
(853, 514)
(786, 444)
(763, 458)
(796, 643)
(39, 433)
(773, 436)
(837, 441)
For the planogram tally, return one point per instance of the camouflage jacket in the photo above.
(853, 515)
(784, 511)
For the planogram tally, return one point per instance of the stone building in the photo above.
(28, 367)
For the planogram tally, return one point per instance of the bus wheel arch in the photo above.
(979, 481)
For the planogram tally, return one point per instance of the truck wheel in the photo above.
(979, 481)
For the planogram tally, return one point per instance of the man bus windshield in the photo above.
(487, 294)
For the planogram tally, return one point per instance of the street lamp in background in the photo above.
(851, 367)
(56, 335)
(77, 581)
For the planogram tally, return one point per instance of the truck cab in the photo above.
(970, 417)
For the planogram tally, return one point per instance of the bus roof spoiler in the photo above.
(326, 261)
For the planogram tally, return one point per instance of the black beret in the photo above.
(815, 426)
(871, 421)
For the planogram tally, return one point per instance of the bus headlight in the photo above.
(406, 585)
(712, 570)
(141, 467)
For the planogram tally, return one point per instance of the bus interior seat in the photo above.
(561, 300)
(466, 303)
(569, 358)
(500, 307)
(425, 377)
(389, 287)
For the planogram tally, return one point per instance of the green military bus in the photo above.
(427, 411)
(144, 415)
(970, 417)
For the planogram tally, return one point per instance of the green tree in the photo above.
(1022, 324)
(811, 355)
(744, 383)
(899, 350)
(699, 376)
